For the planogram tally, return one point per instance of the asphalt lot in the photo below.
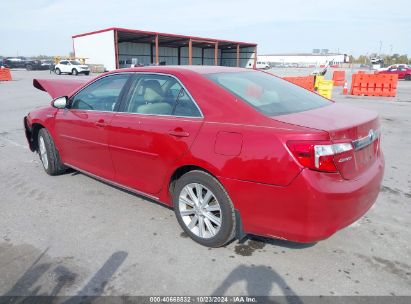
(73, 235)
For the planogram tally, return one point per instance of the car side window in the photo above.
(63, 62)
(102, 95)
(185, 105)
(160, 95)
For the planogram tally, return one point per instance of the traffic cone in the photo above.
(345, 89)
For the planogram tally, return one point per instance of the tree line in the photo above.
(388, 59)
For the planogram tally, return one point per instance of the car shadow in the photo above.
(275, 242)
(278, 242)
(260, 281)
(252, 244)
(146, 198)
(28, 285)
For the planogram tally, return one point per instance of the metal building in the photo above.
(119, 48)
(304, 59)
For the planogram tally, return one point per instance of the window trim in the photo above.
(126, 89)
(126, 101)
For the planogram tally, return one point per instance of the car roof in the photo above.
(200, 69)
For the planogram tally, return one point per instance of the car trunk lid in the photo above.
(344, 124)
(58, 87)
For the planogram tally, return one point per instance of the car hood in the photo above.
(58, 87)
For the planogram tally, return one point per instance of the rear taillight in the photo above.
(318, 155)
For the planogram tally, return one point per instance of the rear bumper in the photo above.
(313, 207)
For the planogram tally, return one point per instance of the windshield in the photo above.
(267, 93)
(75, 62)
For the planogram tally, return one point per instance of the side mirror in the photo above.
(60, 102)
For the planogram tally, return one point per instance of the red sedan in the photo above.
(234, 151)
(402, 70)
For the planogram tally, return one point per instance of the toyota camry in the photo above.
(233, 151)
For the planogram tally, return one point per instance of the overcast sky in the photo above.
(33, 27)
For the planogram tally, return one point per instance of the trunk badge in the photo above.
(345, 159)
(371, 135)
(361, 143)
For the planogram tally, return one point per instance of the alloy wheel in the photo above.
(200, 210)
(43, 153)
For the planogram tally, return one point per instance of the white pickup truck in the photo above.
(261, 65)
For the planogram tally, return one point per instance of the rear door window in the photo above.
(160, 95)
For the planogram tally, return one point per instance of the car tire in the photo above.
(74, 72)
(49, 156)
(29, 67)
(215, 215)
(407, 77)
(87, 73)
(57, 70)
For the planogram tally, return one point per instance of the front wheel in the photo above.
(74, 72)
(58, 72)
(407, 77)
(203, 209)
(48, 153)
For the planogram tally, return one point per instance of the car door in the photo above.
(402, 71)
(68, 67)
(153, 129)
(81, 128)
(63, 66)
(392, 70)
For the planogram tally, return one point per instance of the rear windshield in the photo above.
(268, 94)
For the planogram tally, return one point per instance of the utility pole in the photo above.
(380, 46)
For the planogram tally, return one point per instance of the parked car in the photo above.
(376, 60)
(15, 62)
(72, 67)
(35, 64)
(259, 65)
(262, 65)
(28, 64)
(234, 151)
(402, 70)
(393, 66)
